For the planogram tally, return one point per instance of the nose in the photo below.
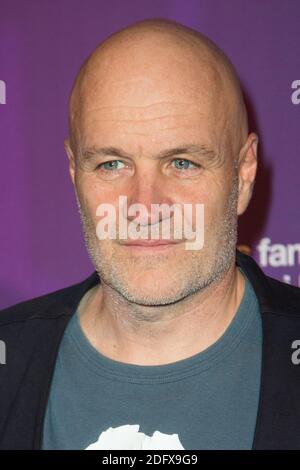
(148, 195)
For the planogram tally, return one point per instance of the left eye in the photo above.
(182, 164)
(111, 165)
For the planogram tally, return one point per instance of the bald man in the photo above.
(167, 345)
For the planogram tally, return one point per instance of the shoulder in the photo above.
(287, 295)
(274, 296)
(50, 305)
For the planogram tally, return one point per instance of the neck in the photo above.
(144, 335)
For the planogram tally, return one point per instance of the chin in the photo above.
(150, 300)
(151, 293)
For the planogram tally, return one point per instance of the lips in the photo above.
(150, 243)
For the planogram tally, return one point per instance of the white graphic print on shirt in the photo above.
(128, 437)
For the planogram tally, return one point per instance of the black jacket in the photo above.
(32, 332)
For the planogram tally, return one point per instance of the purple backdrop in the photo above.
(42, 45)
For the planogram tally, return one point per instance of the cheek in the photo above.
(92, 192)
(215, 200)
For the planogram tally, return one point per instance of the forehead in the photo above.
(151, 125)
(150, 91)
(149, 110)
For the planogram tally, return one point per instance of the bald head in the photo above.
(162, 58)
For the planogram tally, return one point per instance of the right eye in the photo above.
(111, 165)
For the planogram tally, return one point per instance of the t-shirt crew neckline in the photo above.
(198, 363)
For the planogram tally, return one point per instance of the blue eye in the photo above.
(184, 164)
(111, 165)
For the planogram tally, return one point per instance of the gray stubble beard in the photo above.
(224, 256)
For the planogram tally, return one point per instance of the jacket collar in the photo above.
(268, 291)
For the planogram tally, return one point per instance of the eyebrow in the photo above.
(192, 149)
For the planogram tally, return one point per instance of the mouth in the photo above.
(150, 245)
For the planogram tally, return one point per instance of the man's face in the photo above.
(142, 116)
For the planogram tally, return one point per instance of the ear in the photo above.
(247, 166)
(71, 158)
